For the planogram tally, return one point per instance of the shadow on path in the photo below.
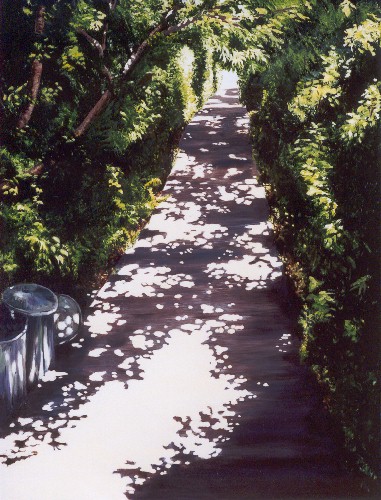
(185, 383)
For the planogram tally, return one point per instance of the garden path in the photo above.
(185, 383)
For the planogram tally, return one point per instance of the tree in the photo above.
(94, 23)
(83, 83)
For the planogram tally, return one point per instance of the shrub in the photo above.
(315, 117)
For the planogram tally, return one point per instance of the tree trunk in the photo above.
(34, 86)
(39, 24)
(36, 73)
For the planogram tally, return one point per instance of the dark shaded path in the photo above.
(186, 383)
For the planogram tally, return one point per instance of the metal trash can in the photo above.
(67, 320)
(12, 358)
(38, 304)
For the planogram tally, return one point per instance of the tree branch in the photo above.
(104, 37)
(35, 77)
(130, 65)
(93, 42)
(108, 75)
(106, 97)
(180, 26)
(100, 48)
(39, 24)
(95, 111)
(112, 5)
(141, 50)
(34, 86)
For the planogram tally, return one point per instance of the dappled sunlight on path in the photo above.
(186, 357)
(150, 423)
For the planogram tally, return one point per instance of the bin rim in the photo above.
(13, 339)
(31, 313)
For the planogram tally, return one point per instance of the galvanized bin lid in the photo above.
(30, 299)
(67, 320)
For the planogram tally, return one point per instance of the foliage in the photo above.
(94, 96)
(68, 204)
(315, 114)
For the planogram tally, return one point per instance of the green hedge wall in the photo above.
(315, 117)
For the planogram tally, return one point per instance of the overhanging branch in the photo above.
(164, 29)
(93, 42)
(106, 97)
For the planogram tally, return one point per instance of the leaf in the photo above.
(313, 284)
(361, 285)
(351, 330)
(261, 11)
(32, 239)
(347, 7)
(75, 53)
(351, 261)
(59, 259)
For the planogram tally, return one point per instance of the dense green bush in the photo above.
(315, 114)
(71, 201)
